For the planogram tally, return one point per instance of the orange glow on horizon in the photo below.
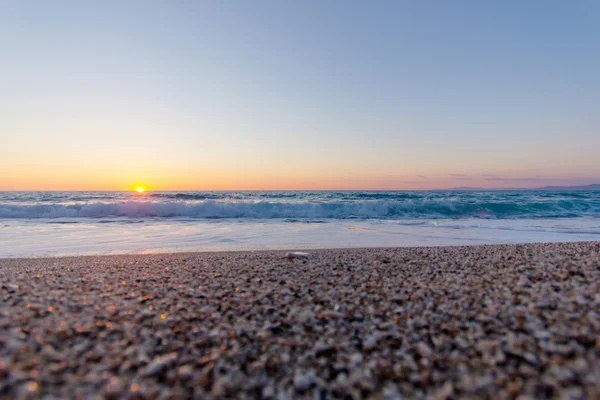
(21, 177)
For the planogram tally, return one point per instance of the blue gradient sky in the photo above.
(298, 94)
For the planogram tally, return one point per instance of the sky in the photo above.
(217, 95)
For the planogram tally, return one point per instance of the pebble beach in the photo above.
(498, 322)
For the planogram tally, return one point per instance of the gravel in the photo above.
(507, 321)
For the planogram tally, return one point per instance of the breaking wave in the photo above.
(362, 209)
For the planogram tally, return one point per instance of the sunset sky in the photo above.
(105, 95)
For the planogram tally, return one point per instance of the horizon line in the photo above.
(306, 190)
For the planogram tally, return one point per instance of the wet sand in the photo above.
(443, 322)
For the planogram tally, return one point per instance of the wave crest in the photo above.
(382, 209)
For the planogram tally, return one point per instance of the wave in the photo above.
(365, 209)
(190, 196)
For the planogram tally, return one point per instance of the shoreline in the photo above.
(279, 249)
(440, 321)
(88, 236)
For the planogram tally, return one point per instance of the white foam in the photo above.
(382, 209)
(79, 236)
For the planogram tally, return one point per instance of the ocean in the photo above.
(79, 223)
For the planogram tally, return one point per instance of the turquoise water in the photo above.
(304, 205)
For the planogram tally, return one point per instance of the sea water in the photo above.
(78, 223)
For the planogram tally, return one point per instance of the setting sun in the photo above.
(140, 189)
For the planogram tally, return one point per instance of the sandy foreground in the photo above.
(446, 322)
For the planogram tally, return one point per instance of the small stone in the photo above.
(10, 288)
(356, 358)
(219, 388)
(542, 334)
(523, 282)
(445, 392)
(531, 358)
(390, 392)
(564, 375)
(341, 379)
(303, 381)
(322, 350)
(573, 393)
(424, 349)
(160, 364)
(370, 342)
(185, 372)
(268, 391)
(297, 254)
(485, 384)
(114, 387)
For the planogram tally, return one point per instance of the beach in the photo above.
(492, 321)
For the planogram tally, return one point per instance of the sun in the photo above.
(140, 189)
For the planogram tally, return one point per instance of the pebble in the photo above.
(370, 342)
(297, 254)
(303, 381)
(10, 288)
(160, 364)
